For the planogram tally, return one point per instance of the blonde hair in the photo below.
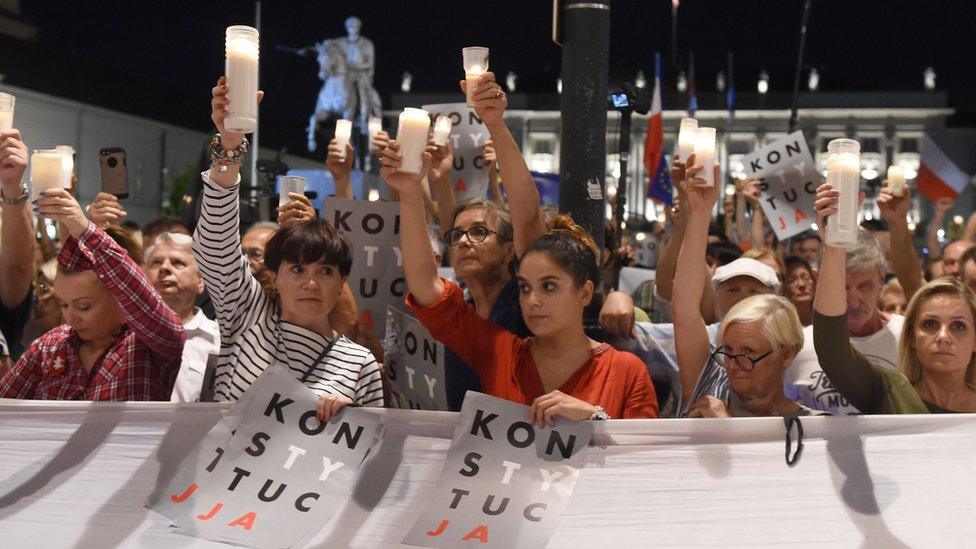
(911, 366)
(766, 253)
(781, 324)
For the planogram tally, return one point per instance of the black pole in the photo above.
(674, 34)
(583, 108)
(621, 202)
(799, 66)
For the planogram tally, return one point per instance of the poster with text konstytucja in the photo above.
(505, 482)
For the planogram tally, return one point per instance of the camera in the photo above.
(630, 98)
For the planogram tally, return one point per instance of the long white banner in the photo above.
(77, 475)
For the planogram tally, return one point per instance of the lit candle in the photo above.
(705, 153)
(442, 130)
(412, 136)
(373, 195)
(6, 112)
(241, 70)
(896, 180)
(844, 175)
(686, 138)
(67, 164)
(46, 166)
(475, 60)
(373, 127)
(343, 131)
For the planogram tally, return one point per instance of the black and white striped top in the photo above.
(252, 333)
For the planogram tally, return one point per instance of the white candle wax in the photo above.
(705, 153)
(844, 175)
(471, 77)
(475, 62)
(686, 138)
(6, 112)
(45, 171)
(414, 125)
(241, 70)
(343, 131)
(896, 180)
(373, 127)
(442, 130)
(67, 164)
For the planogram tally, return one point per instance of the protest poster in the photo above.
(505, 482)
(788, 179)
(415, 362)
(468, 136)
(282, 474)
(376, 277)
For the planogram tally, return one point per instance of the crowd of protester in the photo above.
(735, 323)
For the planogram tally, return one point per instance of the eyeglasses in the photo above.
(474, 234)
(744, 362)
(254, 254)
(804, 277)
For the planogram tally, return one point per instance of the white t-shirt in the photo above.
(202, 340)
(806, 382)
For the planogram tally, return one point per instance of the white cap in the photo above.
(745, 266)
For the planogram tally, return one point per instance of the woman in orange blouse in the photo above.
(560, 371)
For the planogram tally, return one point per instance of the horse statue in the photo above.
(346, 70)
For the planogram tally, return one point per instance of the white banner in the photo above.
(77, 474)
(468, 136)
(788, 179)
(414, 362)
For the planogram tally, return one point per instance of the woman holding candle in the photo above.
(756, 341)
(937, 347)
(120, 341)
(16, 241)
(559, 371)
(308, 262)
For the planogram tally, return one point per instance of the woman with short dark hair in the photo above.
(308, 261)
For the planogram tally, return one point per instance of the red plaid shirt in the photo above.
(143, 361)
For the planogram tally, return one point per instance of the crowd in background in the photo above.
(734, 322)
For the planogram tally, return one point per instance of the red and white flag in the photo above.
(939, 177)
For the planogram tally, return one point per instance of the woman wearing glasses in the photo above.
(757, 339)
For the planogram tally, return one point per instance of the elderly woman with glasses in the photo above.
(757, 339)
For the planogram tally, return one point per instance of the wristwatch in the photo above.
(18, 200)
(599, 414)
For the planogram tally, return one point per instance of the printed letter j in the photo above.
(440, 529)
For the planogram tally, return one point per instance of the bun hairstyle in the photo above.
(572, 248)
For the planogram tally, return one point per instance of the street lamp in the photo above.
(406, 82)
(682, 82)
(813, 81)
(640, 80)
(510, 79)
(763, 85)
(720, 81)
(928, 78)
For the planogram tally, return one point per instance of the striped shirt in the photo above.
(252, 333)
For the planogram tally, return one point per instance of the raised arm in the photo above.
(853, 375)
(691, 336)
(970, 232)
(217, 239)
(523, 197)
(904, 258)
(938, 220)
(152, 321)
(340, 168)
(17, 233)
(441, 166)
(419, 266)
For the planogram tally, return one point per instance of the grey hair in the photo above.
(262, 225)
(501, 217)
(866, 253)
(173, 239)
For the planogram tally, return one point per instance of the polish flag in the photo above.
(938, 177)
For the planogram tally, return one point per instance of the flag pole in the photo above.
(799, 66)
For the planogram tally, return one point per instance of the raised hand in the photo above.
(298, 210)
(894, 209)
(441, 159)
(699, 196)
(489, 100)
(218, 112)
(390, 160)
(59, 205)
(13, 162)
(339, 164)
(106, 210)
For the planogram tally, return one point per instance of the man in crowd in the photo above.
(807, 246)
(951, 255)
(172, 270)
(253, 241)
(967, 266)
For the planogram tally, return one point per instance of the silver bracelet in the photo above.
(18, 200)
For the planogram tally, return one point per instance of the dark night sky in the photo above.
(176, 47)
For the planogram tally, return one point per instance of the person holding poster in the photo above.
(560, 371)
(756, 341)
(308, 262)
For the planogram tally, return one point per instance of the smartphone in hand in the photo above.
(115, 178)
